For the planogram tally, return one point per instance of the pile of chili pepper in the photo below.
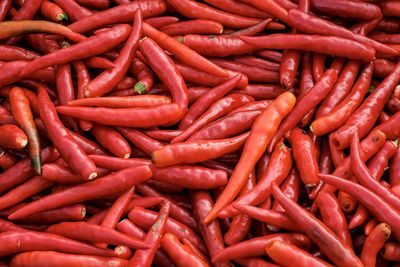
(199, 133)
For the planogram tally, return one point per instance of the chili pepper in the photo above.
(122, 102)
(363, 11)
(23, 115)
(315, 43)
(333, 216)
(109, 78)
(255, 146)
(117, 164)
(145, 218)
(374, 243)
(140, 140)
(309, 101)
(12, 137)
(257, 28)
(28, 10)
(318, 232)
(143, 74)
(121, 180)
(6, 226)
(391, 251)
(376, 205)
(387, 24)
(83, 78)
(125, 117)
(117, 14)
(291, 188)
(191, 176)
(196, 26)
(379, 162)
(196, 151)
(320, 26)
(92, 46)
(95, 233)
(161, 21)
(4, 8)
(87, 145)
(363, 119)
(192, 9)
(238, 8)
(56, 173)
(40, 43)
(163, 135)
(390, 128)
(181, 52)
(257, 62)
(286, 253)
(338, 115)
(256, 246)
(278, 168)
(305, 156)
(10, 53)
(7, 160)
(217, 110)
(56, 259)
(271, 55)
(111, 140)
(52, 11)
(364, 177)
(99, 63)
(61, 138)
(205, 101)
(271, 7)
(217, 46)
(74, 10)
(384, 37)
(153, 239)
(17, 242)
(96, 4)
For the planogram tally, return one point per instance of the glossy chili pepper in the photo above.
(56, 259)
(163, 135)
(286, 254)
(339, 114)
(278, 168)
(122, 102)
(99, 63)
(290, 187)
(390, 127)
(363, 119)
(12, 136)
(325, 238)
(17, 242)
(309, 101)
(376, 205)
(257, 62)
(108, 79)
(258, 140)
(121, 180)
(374, 243)
(305, 156)
(217, 110)
(4, 8)
(73, 9)
(318, 65)
(117, 14)
(10, 53)
(144, 75)
(153, 239)
(92, 46)
(161, 21)
(196, 26)
(59, 174)
(257, 28)
(7, 160)
(337, 46)
(140, 140)
(196, 151)
(52, 11)
(111, 140)
(271, 7)
(256, 246)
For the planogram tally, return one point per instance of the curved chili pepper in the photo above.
(116, 211)
(257, 28)
(291, 188)
(258, 140)
(374, 243)
(117, 14)
(140, 140)
(98, 63)
(121, 180)
(320, 26)
(278, 168)
(95, 233)
(74, 10)
(196, 26)
(338, 115)
(376, 205)
(52, 11)
(23, 115)
(362, 121)
(333, 45)
(334, 248)
(111, 140)
(305, 156)
(256, 246)
(7, 160)
(56, 259)
(161, 21)
(206, 100)
(144, 75)
(12, 136)
(238, 8)
(17, 242)
(108, 79)
(286, 254)
(196, 151)
(117, 164)
(92, 46)
(152, 238)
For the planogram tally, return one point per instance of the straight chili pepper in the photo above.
(121, 102)
(52, 11)
(196, 26)
(337, 250)
(258, 140)
(10, 53)
(56, 259)
(109, 78)
(161, 21)
(12, 136)
(144, 76)
(111, 140)
(121, 180)
(74, 10)
(374, 243)
(92, 46)
(140, 140)
(116, 211)
(59, 174)
(7, 160)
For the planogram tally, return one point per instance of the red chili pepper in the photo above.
(56, 259)
(390, 127)
(98, 63)
(12, 137)
(291, 188)
(163, 135)
(121, 180)
(11, 53)
(153, 239)
(391, 251)
(269, 6)
(255, 145)
(7, 160)
(111, 140)
(337, 250)
(59, 174)
(74, 10)
(257, 62)
(374, 243)
(144, 75)
(96, 4)
(286, 254)
(52, 11)
(107, 80)
(140, 140)
(4, 8)
(257, 28)
(161, 21)
(196, 26)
